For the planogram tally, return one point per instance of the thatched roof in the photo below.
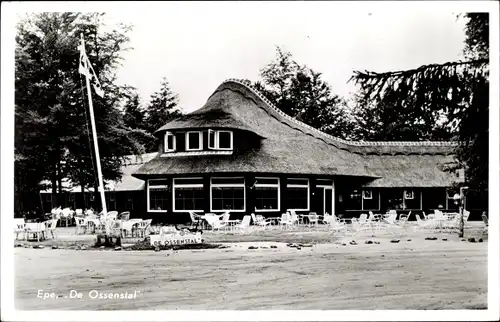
(292, 147)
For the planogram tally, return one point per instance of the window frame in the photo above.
(200, 140)
(412, 195)
(228, 185)
(301, 186)
(148, 202)
(195, 185)
(165, 142)
(365, 197)
(217, 140)
(214, 146)
(266, 185)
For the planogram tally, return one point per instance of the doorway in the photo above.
(328, 201)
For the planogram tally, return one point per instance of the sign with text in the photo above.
(170, 236)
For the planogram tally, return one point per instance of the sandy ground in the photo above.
(416, 274)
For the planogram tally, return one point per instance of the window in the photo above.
(412, 200)
(220, 140)
(188, 194)
(227, 194)
(224, 140)
(367, 194)
(211, 139)
(297, 194)
(353, 200)
(194, 141)
(169, 144)
(267, 194)
(158, 196)
(409, 195)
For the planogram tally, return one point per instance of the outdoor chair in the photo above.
(214, 222)
(50, 227)
(112, 215)
(78, 213)
(313, 219)
(124, 215)
(115, 228)
(424, 223)
(336, 225)
(143, 227)
(326, 218)
(130, 226)
(260, 221)
(225, 218)
(195, 219)
(285, 220)
(19, 227)
(244, 226)
(81, 225)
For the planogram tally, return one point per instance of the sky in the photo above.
(196, 46)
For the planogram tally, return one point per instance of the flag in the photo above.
(85, 68)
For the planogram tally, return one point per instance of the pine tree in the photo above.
(162, 108)
(300, 92)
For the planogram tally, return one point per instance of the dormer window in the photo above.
(220, 140)
(169, 142)
(224, 140)
(194, 141)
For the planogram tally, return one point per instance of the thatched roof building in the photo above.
(290, 146)
(239, 153)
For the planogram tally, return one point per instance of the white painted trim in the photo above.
(301, 186)
(174, 186)
(229, 185)
(214, 147)
(165, 142)
(218, 140)
(194, 153)
(267, 185)
(363, 194)
(200, 137)
(148, 205)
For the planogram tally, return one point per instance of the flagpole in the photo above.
(94, 135)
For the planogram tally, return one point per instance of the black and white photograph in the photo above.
(250, 160)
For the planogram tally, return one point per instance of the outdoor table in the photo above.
(36, 226)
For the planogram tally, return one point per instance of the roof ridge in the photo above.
(347, 142)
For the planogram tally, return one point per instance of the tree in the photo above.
(134, 114)
(300, 92)
(454, 94)
(52, 119)
(162, 108)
